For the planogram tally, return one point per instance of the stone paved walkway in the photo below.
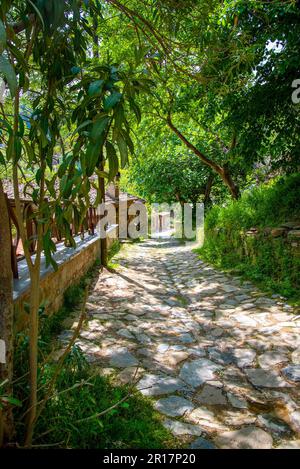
(220, 359)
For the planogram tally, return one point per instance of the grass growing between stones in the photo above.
(113, 251)
(80, 393)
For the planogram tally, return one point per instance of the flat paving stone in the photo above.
(205, 418)
(125, 333)
(180, 428)
(202, 443)
(275, 425)
(198, 372)
(271, 359)
(244, 357)
(249, 437)
(265, 379)
(295, 420)
(172, 358)
(122, 358)
(237, 401)
(173, 406)
(155, 385)
(292, 373)
(292, 444)
(211, 395)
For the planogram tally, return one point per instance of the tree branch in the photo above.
(195, 150)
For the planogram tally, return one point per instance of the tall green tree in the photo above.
(47, 66)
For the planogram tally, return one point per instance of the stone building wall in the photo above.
(54, 284)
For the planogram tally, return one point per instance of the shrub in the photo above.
(263, 259)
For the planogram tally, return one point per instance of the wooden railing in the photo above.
(28, 211)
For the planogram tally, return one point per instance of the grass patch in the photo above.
(182, 299)
(113, 251)
(132, 424)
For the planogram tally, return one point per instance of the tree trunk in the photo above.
(103, 241)
(33, 352)
(179, 199)
(222, 171)
(208, 188)
(233, 188)
(6, 315)
(101, 183)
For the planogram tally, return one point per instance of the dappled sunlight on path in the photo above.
(220, 359)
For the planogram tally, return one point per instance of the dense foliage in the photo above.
(133, 423)
(163, 171)
(197, 94)
(270, 261)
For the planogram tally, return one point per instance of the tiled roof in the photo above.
(26, 189)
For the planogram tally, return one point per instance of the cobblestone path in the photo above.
(220, 360)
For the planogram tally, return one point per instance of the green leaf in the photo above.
(6, 125)
(125, 405)
(49, 248)
(18, 149)
(19, 56)
(95, 87)
(21, 127)
(119, 120)
(99, 127)
(3, 383)
(75, 70)
(38, 12)
(2, 159)
(38, 175)
(111, 100)
(128, 141)
(7, 70)
(91, 157)
(82, 126)
(43, 139)
(2, 36)
(101, 174)
(10, 148)
(112, 160)
(11, 400)
(135, 108)
(123, 151)
(29, 150)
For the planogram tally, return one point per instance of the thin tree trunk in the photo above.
(227, 178)
(35, 277)
(34, 272)
(222, 171)
(33, 353)
(6, 315)
(103, 241)
(101, 183)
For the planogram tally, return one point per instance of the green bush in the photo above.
(263, 259)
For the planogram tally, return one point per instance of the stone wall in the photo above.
(54, 284)
(289, 232)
